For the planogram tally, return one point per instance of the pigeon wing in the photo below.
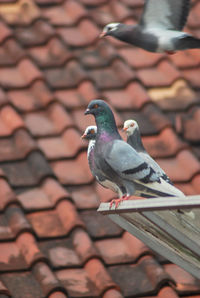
(128, 164)
(165, 14)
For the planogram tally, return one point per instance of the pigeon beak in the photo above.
(87, 111)
(102, 34)
(83, 136)
(124, 128)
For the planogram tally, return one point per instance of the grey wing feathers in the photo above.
(124, 160)
(166, 14)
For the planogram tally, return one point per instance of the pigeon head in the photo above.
(109, 29)
(97, 107)
(130, 126)
(90, 133)
(103, 115)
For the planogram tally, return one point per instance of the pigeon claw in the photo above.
(118, 201)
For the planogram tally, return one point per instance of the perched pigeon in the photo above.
(90, 135)
(159, 29)
(120, 163)
(134, 139)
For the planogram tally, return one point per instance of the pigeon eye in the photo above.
(132, 125)
(92, 131)
(96, 106)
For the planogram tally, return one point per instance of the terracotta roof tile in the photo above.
(177, 97)
(10, 258)
(67, 14)
(22, 282)
(191, 76)
(62, 147)
(134, 97)
(6, 193)
(99, 226)
(112, 293)
(22, 12)
(97, 56)
(176, 167)
(45, 197)
(85, 33)
(150, 119)
(68, 76)
(78, 97)
(165, 144)
(53, 243)
(34, 98)
(36, 34)
(5, 230)
(45, 277)
(16, 147)
(25, 73)
(29, 172)
(5, 32)
(29, 248)
(117, 75)
(184, 59)
(84, 246)
(10, 52)
(54, 53)
(51, 122)
(16, 219)
(138, 58)
(121, 250)
(85, 197)
(78, 169)
(164, 75)
(57, 295)
(184, 281)
(190, 125)
(147, 270)
(4, 291)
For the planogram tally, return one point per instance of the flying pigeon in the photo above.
(120, 163)
(90, 135)
(159, 29)
(134, 139)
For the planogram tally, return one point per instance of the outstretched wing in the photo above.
(166, 14)
(128, 164)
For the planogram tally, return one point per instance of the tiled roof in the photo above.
(52, 241)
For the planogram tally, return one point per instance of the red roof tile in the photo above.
(67, 14)
(78, 169)
(53, 243)
(82, 35)
(52, 54)
(36, 97)
(51, 122)
(63, 147)
(184, 281)
(36, 34)
(134, 97)
(163, 75)
(68, 76)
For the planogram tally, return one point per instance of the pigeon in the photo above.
(120, 163)
(159, 29)
(90, 135)
(134, 139)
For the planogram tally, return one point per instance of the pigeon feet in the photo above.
(118, 201)
(170, 52)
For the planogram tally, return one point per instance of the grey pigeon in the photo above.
(90, 135)
(120, 163)
(134, 139)
(159, 29)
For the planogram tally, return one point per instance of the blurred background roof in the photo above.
(52, 241)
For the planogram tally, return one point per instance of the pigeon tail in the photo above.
(187, 42)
